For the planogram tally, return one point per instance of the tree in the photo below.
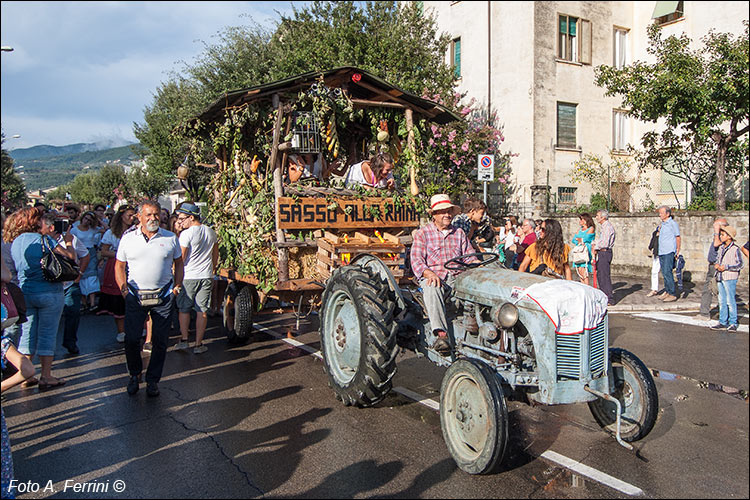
(391, 39)
(13, 188)
(106, 181)
(82, 190)
(618, 173)
(701, 95)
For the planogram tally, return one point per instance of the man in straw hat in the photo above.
(434, 245)
(728, 264)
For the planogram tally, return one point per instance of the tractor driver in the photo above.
(434, 245)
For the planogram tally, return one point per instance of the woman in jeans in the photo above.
(728, 265)
(44, 300)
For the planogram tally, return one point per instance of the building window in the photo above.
(670, 183)
(621, 48)
(456, 56)
(566, 194)
(566, 125)
(666, 12)
(574, 42)
(620, 130)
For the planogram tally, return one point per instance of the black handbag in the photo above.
(57, 268)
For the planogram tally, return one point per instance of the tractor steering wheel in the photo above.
(458, 264)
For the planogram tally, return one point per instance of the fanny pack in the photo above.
(150, 297)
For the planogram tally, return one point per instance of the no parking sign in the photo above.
(486, 168)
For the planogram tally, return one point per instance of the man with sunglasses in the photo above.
(200, 252)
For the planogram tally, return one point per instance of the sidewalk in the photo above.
(630, 295)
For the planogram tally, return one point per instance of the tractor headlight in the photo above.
(505, 316)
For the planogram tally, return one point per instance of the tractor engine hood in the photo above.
(490, 285)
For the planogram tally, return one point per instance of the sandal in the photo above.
(44, 385)
(29, 382)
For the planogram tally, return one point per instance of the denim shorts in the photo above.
(195, 294)
(39, 333)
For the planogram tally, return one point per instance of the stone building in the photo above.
(534, 62)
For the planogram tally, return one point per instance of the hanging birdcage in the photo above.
(306, 133)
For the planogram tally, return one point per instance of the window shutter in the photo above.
(566, 125)
(564, 25)
(585, 41)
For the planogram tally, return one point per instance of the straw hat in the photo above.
(441, 202)
(730, 231)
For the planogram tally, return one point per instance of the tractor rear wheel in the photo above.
(358, 335)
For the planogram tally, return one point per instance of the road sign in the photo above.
(486, 167)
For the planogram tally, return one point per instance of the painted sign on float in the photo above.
(314, 213)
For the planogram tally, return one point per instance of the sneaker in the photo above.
(669, 298)
(121, 337)
(652, 293)
(147, 347)
(135, 380)
(181, 345)
(732, 328)
(200, 349)
(441, 344)
(662, 295)
(719, 326)
(152, 389)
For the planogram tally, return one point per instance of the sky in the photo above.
(85, 71)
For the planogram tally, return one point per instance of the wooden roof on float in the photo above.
(366, 91)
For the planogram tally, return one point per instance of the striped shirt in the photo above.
(729, 256)
(431, 249)
(606, 237)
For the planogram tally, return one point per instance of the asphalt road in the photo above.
(260, 420)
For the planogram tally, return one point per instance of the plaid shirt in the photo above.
(431, 250)
(606, 237)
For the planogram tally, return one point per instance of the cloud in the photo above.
(35, 130)
(88, 64)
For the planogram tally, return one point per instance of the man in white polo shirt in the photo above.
(200, 253)
(149, 252)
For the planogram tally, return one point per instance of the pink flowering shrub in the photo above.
(448, 156)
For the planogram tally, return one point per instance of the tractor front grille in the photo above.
(583, 354)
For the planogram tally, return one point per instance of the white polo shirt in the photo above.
(149, 262)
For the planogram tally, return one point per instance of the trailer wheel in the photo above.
(473, 416)
(358, 335)
(238, 312)
(634, 387)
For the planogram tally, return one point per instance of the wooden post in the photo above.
(414, 189)
(278, 191)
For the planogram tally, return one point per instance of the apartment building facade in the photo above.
(534, 63)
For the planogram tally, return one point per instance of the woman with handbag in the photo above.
(582, 241)
(44, 299)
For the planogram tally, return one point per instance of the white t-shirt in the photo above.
(356, 176)
(88, 237)
(199, 242)
(110, 239)
(149, 262)
(81, 252)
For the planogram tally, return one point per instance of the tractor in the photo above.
(506, 345)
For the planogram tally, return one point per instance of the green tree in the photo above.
(391, 39)
(13, 188)
(702, 96)
(106, 181)
(145, 183)
(82, 189)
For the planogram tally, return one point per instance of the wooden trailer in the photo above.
(343, 223)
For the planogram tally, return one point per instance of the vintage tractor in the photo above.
(505, 345)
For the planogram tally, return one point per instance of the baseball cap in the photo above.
(189, 209)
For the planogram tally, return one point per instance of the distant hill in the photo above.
(50, 166)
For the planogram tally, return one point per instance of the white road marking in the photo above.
(686, 320)
(569, 463)
(592, 473)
